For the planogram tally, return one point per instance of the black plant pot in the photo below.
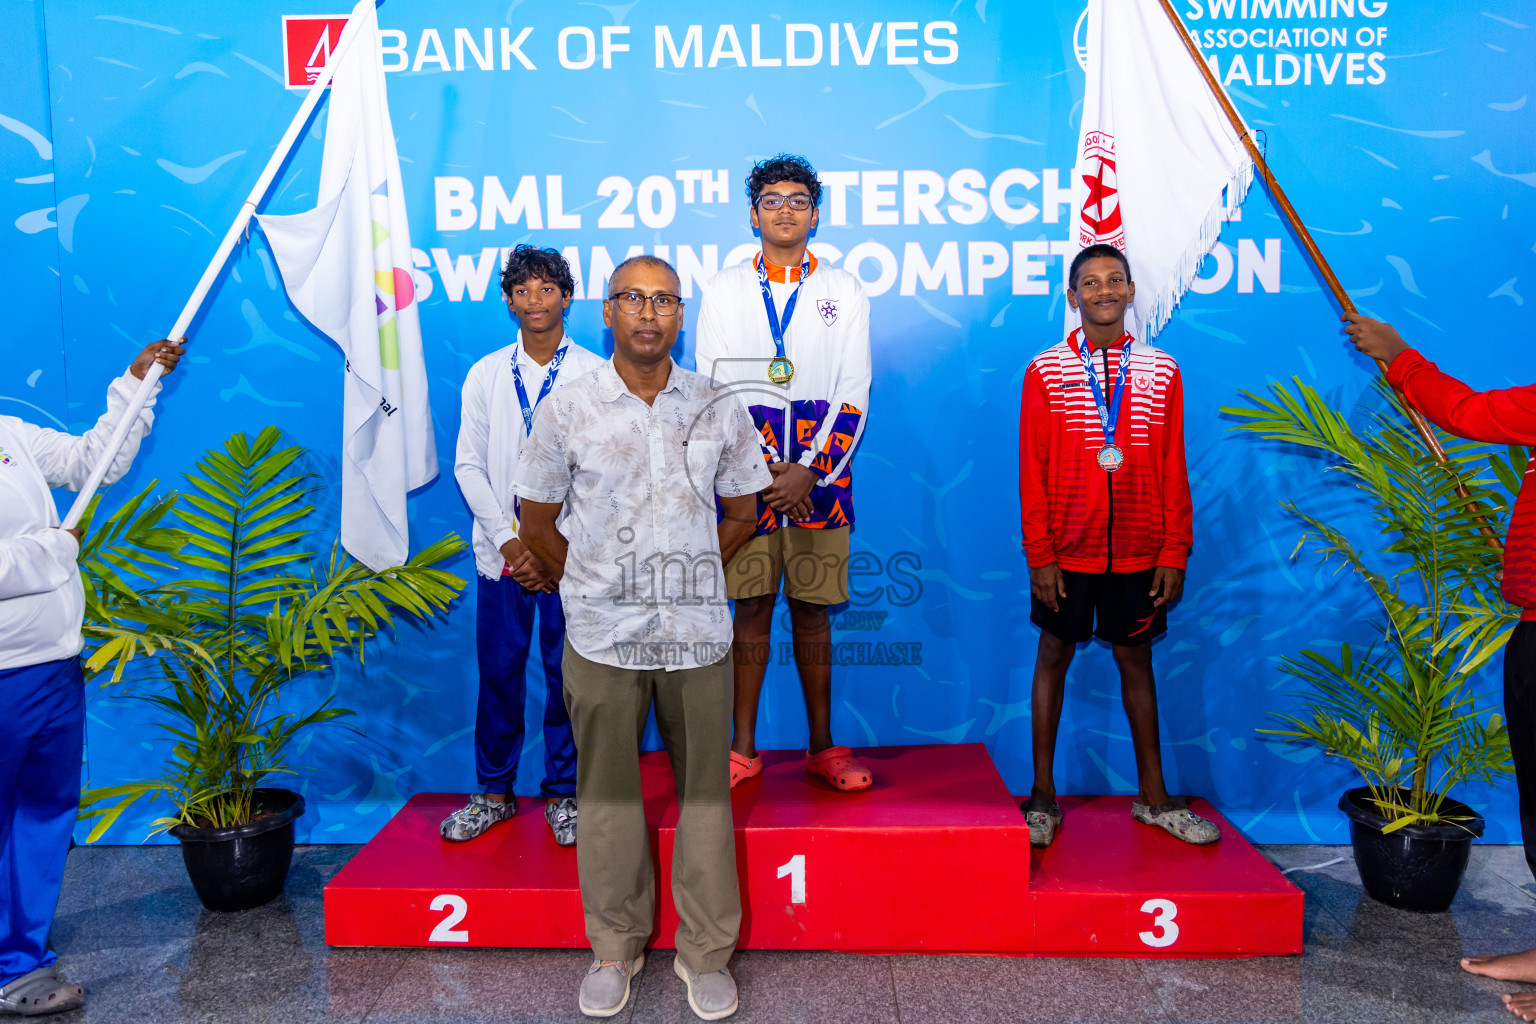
(1418, 867)
(243, 866)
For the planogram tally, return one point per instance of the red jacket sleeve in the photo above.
(1493, 417)
(1034, 470)
(1178, 510)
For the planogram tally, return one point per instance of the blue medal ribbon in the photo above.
(522, 400)
(774, 325)
(1109, 413)
(549, 383)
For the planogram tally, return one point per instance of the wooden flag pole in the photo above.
(1426, 432)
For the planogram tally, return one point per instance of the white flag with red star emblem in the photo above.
(346, 266)
(1156, 155)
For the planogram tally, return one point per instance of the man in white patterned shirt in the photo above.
(630, 457)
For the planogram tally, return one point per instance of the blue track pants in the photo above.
(503, 641)
(39, 798)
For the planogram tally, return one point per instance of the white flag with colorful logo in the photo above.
(346, 266)
(1156, 155)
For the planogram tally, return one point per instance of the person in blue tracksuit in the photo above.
(42, 604)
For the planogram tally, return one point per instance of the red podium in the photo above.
(1111, 886)
(935, 858)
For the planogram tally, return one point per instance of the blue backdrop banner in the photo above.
(945, 134)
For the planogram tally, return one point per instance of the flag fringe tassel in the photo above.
(1235, 191)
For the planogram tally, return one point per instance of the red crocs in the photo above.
(744, 767)
(840, 768)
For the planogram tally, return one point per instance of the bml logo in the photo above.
(307, 43)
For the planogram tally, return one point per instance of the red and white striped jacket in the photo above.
(1507, 416)
(1076, 514)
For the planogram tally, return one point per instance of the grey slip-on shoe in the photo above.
(605, 989)
(561, 816)
(711, 996)
(1043, 818)
(1175, 818)
(478, 814)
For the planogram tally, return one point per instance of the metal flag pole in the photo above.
(1426, 432)
(211, 272)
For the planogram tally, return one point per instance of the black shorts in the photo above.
(1116, 607)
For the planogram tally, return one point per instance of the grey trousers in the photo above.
(608, 708)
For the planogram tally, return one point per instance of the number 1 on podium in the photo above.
(795, 869)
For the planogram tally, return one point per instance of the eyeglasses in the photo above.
(798, 201)
(633, 303)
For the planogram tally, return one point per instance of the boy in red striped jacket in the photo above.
(1506, 416)
(1107, 525)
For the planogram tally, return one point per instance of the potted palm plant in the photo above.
(1411, 712)
(248, 611)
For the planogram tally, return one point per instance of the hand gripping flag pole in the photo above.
(215, 265)
(1426, 433)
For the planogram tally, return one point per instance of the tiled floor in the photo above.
(130, 928)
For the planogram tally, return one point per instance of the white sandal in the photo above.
(42, 991)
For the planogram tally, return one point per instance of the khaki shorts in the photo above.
(812, 563)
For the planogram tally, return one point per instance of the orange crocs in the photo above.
(840, 768)
(743, 768)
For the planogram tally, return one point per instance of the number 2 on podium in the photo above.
(795, 869)
(445, 931)
(1165, 932)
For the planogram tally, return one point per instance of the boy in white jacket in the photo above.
(500, 395)
(789, 335)
(42, 606)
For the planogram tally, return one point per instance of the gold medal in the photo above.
(781, 371)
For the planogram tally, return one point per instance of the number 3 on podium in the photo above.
(1164, 932)
(795, 869)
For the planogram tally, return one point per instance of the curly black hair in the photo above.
(784, 167)
(1096, 251)
(530, 261)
